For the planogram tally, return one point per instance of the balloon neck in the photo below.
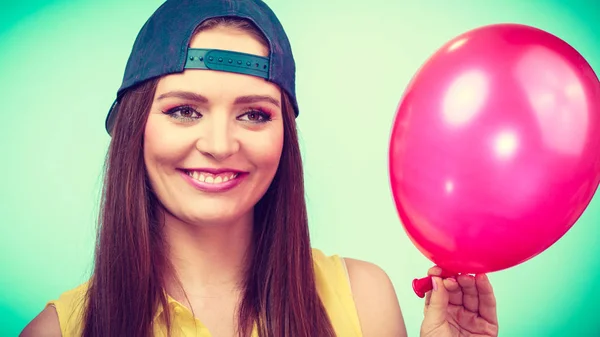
(423, 285)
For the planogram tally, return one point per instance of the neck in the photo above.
(207, 260)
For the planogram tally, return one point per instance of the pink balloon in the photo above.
(495, 148)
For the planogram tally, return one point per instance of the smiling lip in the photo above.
(213, 180)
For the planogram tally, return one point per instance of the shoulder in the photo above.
(45, 324)
(61, 317)
(375, 299)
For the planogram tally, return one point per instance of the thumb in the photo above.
(438, 306)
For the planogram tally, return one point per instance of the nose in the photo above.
(217, 139)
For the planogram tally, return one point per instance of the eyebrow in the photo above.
(192, 96)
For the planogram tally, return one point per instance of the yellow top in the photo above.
(332, 285)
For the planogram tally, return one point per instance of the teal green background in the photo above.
(62, 61)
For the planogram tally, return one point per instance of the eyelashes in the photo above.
(183, 112)
(186, 113)
(256, 116)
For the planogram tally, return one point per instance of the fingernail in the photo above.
(434, 284)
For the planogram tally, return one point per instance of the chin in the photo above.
(210, 211)
(213, 217)
(206, 220)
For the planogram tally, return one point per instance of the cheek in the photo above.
(265, 151)
(161, 146)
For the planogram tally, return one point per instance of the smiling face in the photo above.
(213, 140)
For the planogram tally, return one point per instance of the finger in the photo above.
(455, 295)
(470, 294)
(434, 271)
(427, 298)
(438, 271)
(435, 315)
(487, 299)
(427, 301)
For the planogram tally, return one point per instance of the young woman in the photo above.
(203, 228)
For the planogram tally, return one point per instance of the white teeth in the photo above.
(212, 179)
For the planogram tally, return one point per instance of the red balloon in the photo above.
(495, 148)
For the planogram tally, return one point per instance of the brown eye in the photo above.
(185, 113)
(255, 116)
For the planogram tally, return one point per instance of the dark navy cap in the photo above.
(162, 46)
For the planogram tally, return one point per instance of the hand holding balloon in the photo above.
(494, 152)
(461, 306)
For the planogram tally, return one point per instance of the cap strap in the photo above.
(230, 61)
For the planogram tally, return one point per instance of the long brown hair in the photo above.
(127, 284)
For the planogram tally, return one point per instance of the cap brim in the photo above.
(111, 117)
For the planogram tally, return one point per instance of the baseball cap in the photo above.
(162, 47)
